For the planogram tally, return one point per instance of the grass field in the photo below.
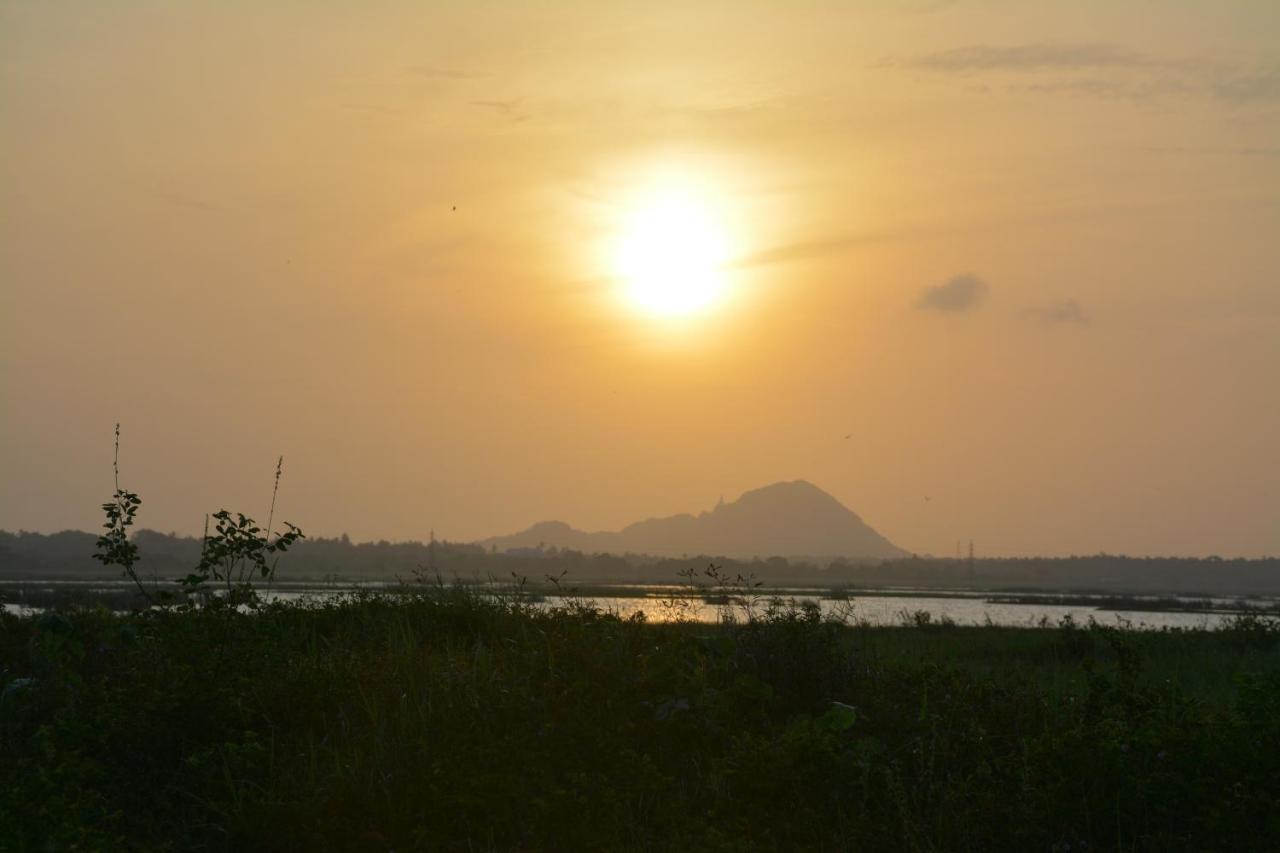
(442, 719)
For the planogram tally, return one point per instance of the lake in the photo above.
(875, 607)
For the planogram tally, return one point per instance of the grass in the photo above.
(446, 719)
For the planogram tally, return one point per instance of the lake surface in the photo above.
(882, 607)
(894, 610)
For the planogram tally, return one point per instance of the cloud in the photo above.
(809, 249)
(508, 109)
(1247, 87)
(1140, 90)
(1244, 151)
(179, 199)
(441, 73)
(1065, 313)
(1104, 70)
(957, 294)
(831, 245)
(929, 7)
(1029, 57)
(372, 108)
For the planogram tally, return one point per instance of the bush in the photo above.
(436, 717)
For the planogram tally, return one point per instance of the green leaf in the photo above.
(838, 718)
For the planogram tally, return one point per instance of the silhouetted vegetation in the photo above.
(435, 717)
(65, 555)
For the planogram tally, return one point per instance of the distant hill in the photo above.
(795, 519)
(26, 557)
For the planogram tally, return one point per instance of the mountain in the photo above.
(795, 519)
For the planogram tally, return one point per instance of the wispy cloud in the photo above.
(178, 199)
(442, 73)
(1068, 312)
(508, 109)
(1240, 151)
(1028, 57)
(371, 108)
(1099, 69)
(1250, 86)
(956, 295)
(805, 250)
(1095, 87)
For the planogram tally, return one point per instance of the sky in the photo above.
(990, 270)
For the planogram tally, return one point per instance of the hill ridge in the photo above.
(791, 518)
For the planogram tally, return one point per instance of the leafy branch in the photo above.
(239, 553)
(114, 547)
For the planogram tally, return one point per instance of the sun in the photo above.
(671, 254)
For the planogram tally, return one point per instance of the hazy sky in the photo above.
(1024, 255)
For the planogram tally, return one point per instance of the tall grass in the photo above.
(447, 717)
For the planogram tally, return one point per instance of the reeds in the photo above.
(449, 716)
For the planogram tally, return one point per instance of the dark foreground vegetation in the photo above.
(440, 719)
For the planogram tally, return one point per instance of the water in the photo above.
(876, 609)
(882, 608)
(889, 610)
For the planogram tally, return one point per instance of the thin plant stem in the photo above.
(274, 491)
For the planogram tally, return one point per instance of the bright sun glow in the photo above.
(672, 254)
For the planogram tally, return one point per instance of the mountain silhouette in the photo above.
(795, 519)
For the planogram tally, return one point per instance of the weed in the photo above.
(451, 716)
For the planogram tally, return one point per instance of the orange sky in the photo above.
(1026, 255)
